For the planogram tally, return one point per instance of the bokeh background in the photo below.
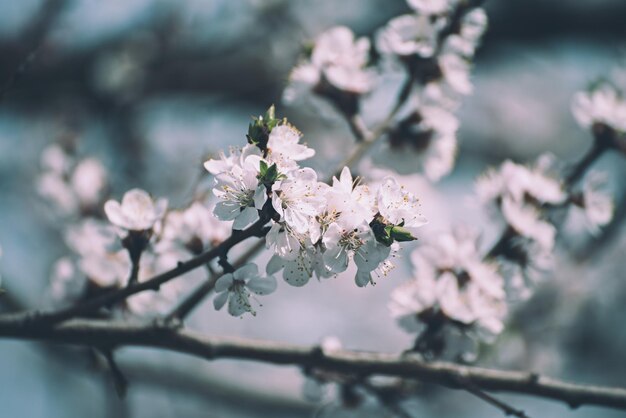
(152, 87)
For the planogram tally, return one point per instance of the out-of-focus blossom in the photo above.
(155, 303)
(194, 228)
(603, 104)
(520, 194)
(66, 282)
(337, 58)
(137, 211)
(235, 289)
(451, 278)
(456, 73)
(71, 186)
(409, 35)
(89, 180)
(431, 7)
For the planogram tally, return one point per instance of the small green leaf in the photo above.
(401, 234)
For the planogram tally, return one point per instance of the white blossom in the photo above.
(358, 244)
(192, 227)
(456, 73)
(520, 193)
(347, 202)
(155, 303)
(297, 199)
(603, 104)
(284, 148)
(451, 277)
(237, 156)
(137, 211)
(235, 289)
(409, 35)
(430, 7)
(398, 206)
(89, 181)
(337, 58)
(240, 194)
(66, 282)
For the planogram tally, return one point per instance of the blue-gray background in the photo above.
(153, 86)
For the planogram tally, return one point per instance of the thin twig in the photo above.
(492, 400)
(119, 380)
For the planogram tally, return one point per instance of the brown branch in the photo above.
(46, 319)
(115, 334)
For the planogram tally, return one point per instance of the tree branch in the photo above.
(45, 319)
(114, 334)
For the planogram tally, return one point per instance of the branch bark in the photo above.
(116, 334)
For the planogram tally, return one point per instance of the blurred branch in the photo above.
(115, 334)
(32, 39)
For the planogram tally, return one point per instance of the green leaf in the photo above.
(401, 234)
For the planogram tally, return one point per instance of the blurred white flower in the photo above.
(53, 188)
(337, 58)
(66, 283)
(137, 211)
(456, 73)
(603, 104)
(409, 35)
(194, 228)
(520, 194)
(431, 7)
(450, 277)
(71, 186)
(235, 289)
(55, 159)
(155, 303)
(89, 181)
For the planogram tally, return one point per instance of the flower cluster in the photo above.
(336, 67)
(138, 231)
(452, 284)
(72, 186)
(520, 194)
(316, 228)
(436, 52)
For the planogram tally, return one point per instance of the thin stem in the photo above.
(119, 379)
(370, 139)
(492, 400)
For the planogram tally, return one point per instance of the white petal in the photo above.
(262, 285)
(224, 283)
(245, 218)
(363, 278)
(220, 300)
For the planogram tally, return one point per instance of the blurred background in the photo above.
(153, 87)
